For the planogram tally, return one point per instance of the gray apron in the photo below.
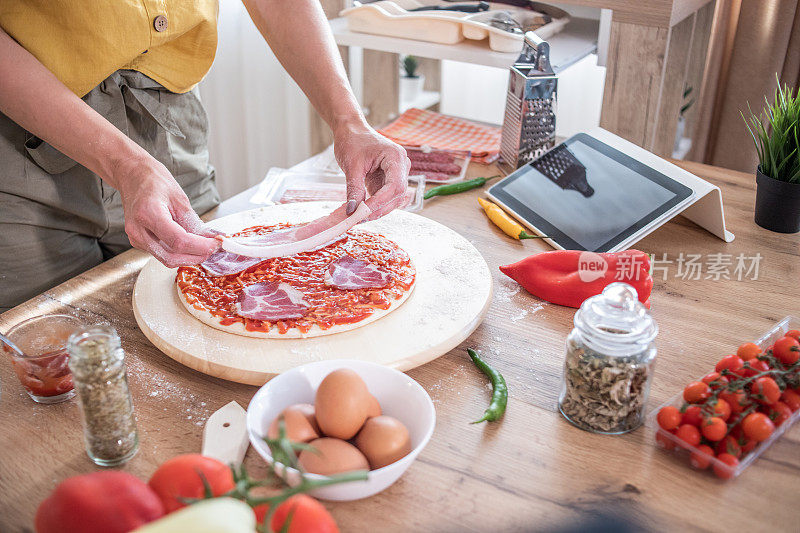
(57, 218)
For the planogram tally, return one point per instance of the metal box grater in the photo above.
(529, 124)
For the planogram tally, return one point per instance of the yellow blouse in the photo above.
(84, 41)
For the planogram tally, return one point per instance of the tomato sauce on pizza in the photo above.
(329, 306)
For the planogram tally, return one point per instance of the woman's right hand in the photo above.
(158, 216)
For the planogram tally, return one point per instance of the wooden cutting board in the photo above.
(451, 297)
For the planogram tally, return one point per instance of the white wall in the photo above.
(479, 93)
(258, 116)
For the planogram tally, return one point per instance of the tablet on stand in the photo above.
(601, 193)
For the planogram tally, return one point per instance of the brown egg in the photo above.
(332, 456)
(341, 404)
(383, 440)
(301, 426)
(374, 407)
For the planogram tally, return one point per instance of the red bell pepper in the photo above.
(100, 502)
(568, 277)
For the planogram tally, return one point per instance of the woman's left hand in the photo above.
(373, 165)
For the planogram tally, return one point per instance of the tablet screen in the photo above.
(591, 194)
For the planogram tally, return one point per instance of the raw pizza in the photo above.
(349, 283)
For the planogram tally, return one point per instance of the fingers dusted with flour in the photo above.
(159, 218)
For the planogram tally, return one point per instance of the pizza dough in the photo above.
(204, 315)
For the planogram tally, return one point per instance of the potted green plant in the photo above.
(776, 133)
(410, 83)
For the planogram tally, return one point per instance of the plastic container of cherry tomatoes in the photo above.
(672, 444)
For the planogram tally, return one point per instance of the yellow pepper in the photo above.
(502, 220)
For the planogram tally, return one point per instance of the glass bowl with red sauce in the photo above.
(43, 369)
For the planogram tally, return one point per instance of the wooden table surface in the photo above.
(531, 471)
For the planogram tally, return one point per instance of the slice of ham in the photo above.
(271, 301)
(349, 273)
(222, 263)
(298, 239)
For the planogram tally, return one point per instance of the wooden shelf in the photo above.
(577, 40)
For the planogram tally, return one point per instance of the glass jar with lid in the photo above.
(609, 362)
(97, 362)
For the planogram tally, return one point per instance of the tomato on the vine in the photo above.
(669, 417)
(729, 362)
(702, 457)
(728, 460)
(753, 367)
(779, 413)
(184, 476)
(715, 380)
(307, 516)
(729, 445)
(748, 350)
(714, 429)
(787, 350)
(696, 392)
(757, 426)
(722, 409)
(737, 400)
(792, 399)
(688, 434)
(794, 333)
(765, 390)
(693, 415)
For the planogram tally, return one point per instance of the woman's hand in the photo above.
(373, 165)
(158, 216)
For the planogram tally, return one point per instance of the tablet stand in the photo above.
(705, 207)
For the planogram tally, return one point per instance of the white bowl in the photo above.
(399, 396)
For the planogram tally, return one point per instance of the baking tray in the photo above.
(393, 18)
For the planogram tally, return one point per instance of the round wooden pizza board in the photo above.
(452, 295)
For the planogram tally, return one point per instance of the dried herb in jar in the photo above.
(609, 362)
(604, 393)
(97, 362)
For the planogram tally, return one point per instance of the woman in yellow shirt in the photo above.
(99, 118)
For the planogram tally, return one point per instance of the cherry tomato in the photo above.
(753, 367)
(794, 333)
(664, 441)
(669, 417)
(714, 429)
(696, 392)
(702, 457)
(787, 350)
(308, 516)
(792, 399)
(779, 413)
(688, 434)
(757, 426)
(765, 390)
(729, 362)
(737, 400)
(692, 416)
(748, 350)
(730, 463)
(730, 446)
(722, 409)
(715, 380)
(182, 477)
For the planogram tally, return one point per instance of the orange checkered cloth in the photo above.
(416, 127)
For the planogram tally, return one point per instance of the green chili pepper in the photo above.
(499, 389)
(455, 188)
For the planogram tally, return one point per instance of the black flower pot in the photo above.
(777, 204)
